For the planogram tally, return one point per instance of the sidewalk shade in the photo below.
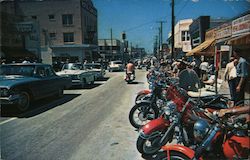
(198, 50)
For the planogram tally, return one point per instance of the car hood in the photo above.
(70, 72)
(12, 80)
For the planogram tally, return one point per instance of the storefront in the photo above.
(207, 48)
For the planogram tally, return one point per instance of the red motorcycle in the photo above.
(180, 113)
(223, 139)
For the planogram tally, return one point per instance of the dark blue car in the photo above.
(22, 83)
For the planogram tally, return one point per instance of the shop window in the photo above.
(67, 19)
(68, 37)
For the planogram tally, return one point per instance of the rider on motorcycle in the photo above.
(130, 68)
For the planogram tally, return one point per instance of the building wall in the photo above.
(105, 50)
(183, 26)
(47, 26)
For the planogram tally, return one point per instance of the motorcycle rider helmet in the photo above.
(201, 128)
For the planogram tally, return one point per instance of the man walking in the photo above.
(230, 77)
(242, 74)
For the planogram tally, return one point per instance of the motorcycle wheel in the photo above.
(141, 114)
(174, 155)
(146, 147)
(149, 146)
(139, 97)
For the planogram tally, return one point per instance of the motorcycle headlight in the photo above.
(201, 128)
(170, 108)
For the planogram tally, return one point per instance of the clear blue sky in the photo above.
(139, 17)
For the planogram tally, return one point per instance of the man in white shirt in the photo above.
(230, 76)
(204, 70)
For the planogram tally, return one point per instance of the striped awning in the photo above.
(198, 50)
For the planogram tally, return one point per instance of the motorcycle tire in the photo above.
(139, 97)
(144, 119)
(142, 147)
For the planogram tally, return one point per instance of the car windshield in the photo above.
(72, 66)
(17, 70)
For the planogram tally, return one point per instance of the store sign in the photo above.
(241, 25)
(224, 31)
(24, 27)
(224, 48)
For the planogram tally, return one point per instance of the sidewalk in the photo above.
(225, 91)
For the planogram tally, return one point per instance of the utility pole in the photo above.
(159, 44)
(172, 39)
(161, 37)
(111, 43)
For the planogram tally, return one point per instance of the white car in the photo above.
(96, 68)
(115, 66)
(78, 75)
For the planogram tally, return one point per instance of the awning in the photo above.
(201, 47)
(240, 40)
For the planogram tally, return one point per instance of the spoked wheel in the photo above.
(148, 146)
(23, 102)
(141, 114)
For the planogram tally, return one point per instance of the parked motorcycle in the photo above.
(179, 115)
(224, 138)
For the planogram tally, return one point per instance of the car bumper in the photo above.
(13, 99)
(76, 82)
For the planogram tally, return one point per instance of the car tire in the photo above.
(24, 101)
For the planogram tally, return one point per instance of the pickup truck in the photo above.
(78, 74)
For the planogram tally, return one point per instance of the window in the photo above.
(51, 17)
(67, 19)
(68, 37)
(185, 36)
(34, 17)
(52, 35)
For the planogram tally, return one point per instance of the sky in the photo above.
(140, 18)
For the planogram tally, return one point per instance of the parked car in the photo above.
(78, 74)
(96, 68)
(23, 83)
(115, 66)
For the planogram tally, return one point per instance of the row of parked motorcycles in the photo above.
(175, 124)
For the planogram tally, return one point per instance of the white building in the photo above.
(182, 36)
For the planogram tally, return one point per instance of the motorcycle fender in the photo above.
(179, 148)
(236, 146)
(145, 91)
(153, 126)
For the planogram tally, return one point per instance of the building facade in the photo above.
(182, 36)
(68, 27)
(110, 49)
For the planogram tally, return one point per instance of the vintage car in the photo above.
(96, 68)
(77, 73)
(22, 83)
(115, 66)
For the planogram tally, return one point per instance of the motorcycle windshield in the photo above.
(189, 80)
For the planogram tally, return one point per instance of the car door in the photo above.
(42, 85)
(55, 82)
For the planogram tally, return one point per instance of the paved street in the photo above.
(86, 124)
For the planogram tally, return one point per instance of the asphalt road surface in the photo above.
(85, 124)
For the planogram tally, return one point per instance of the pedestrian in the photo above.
(204, 70)
(242, 74)
(230, 77)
